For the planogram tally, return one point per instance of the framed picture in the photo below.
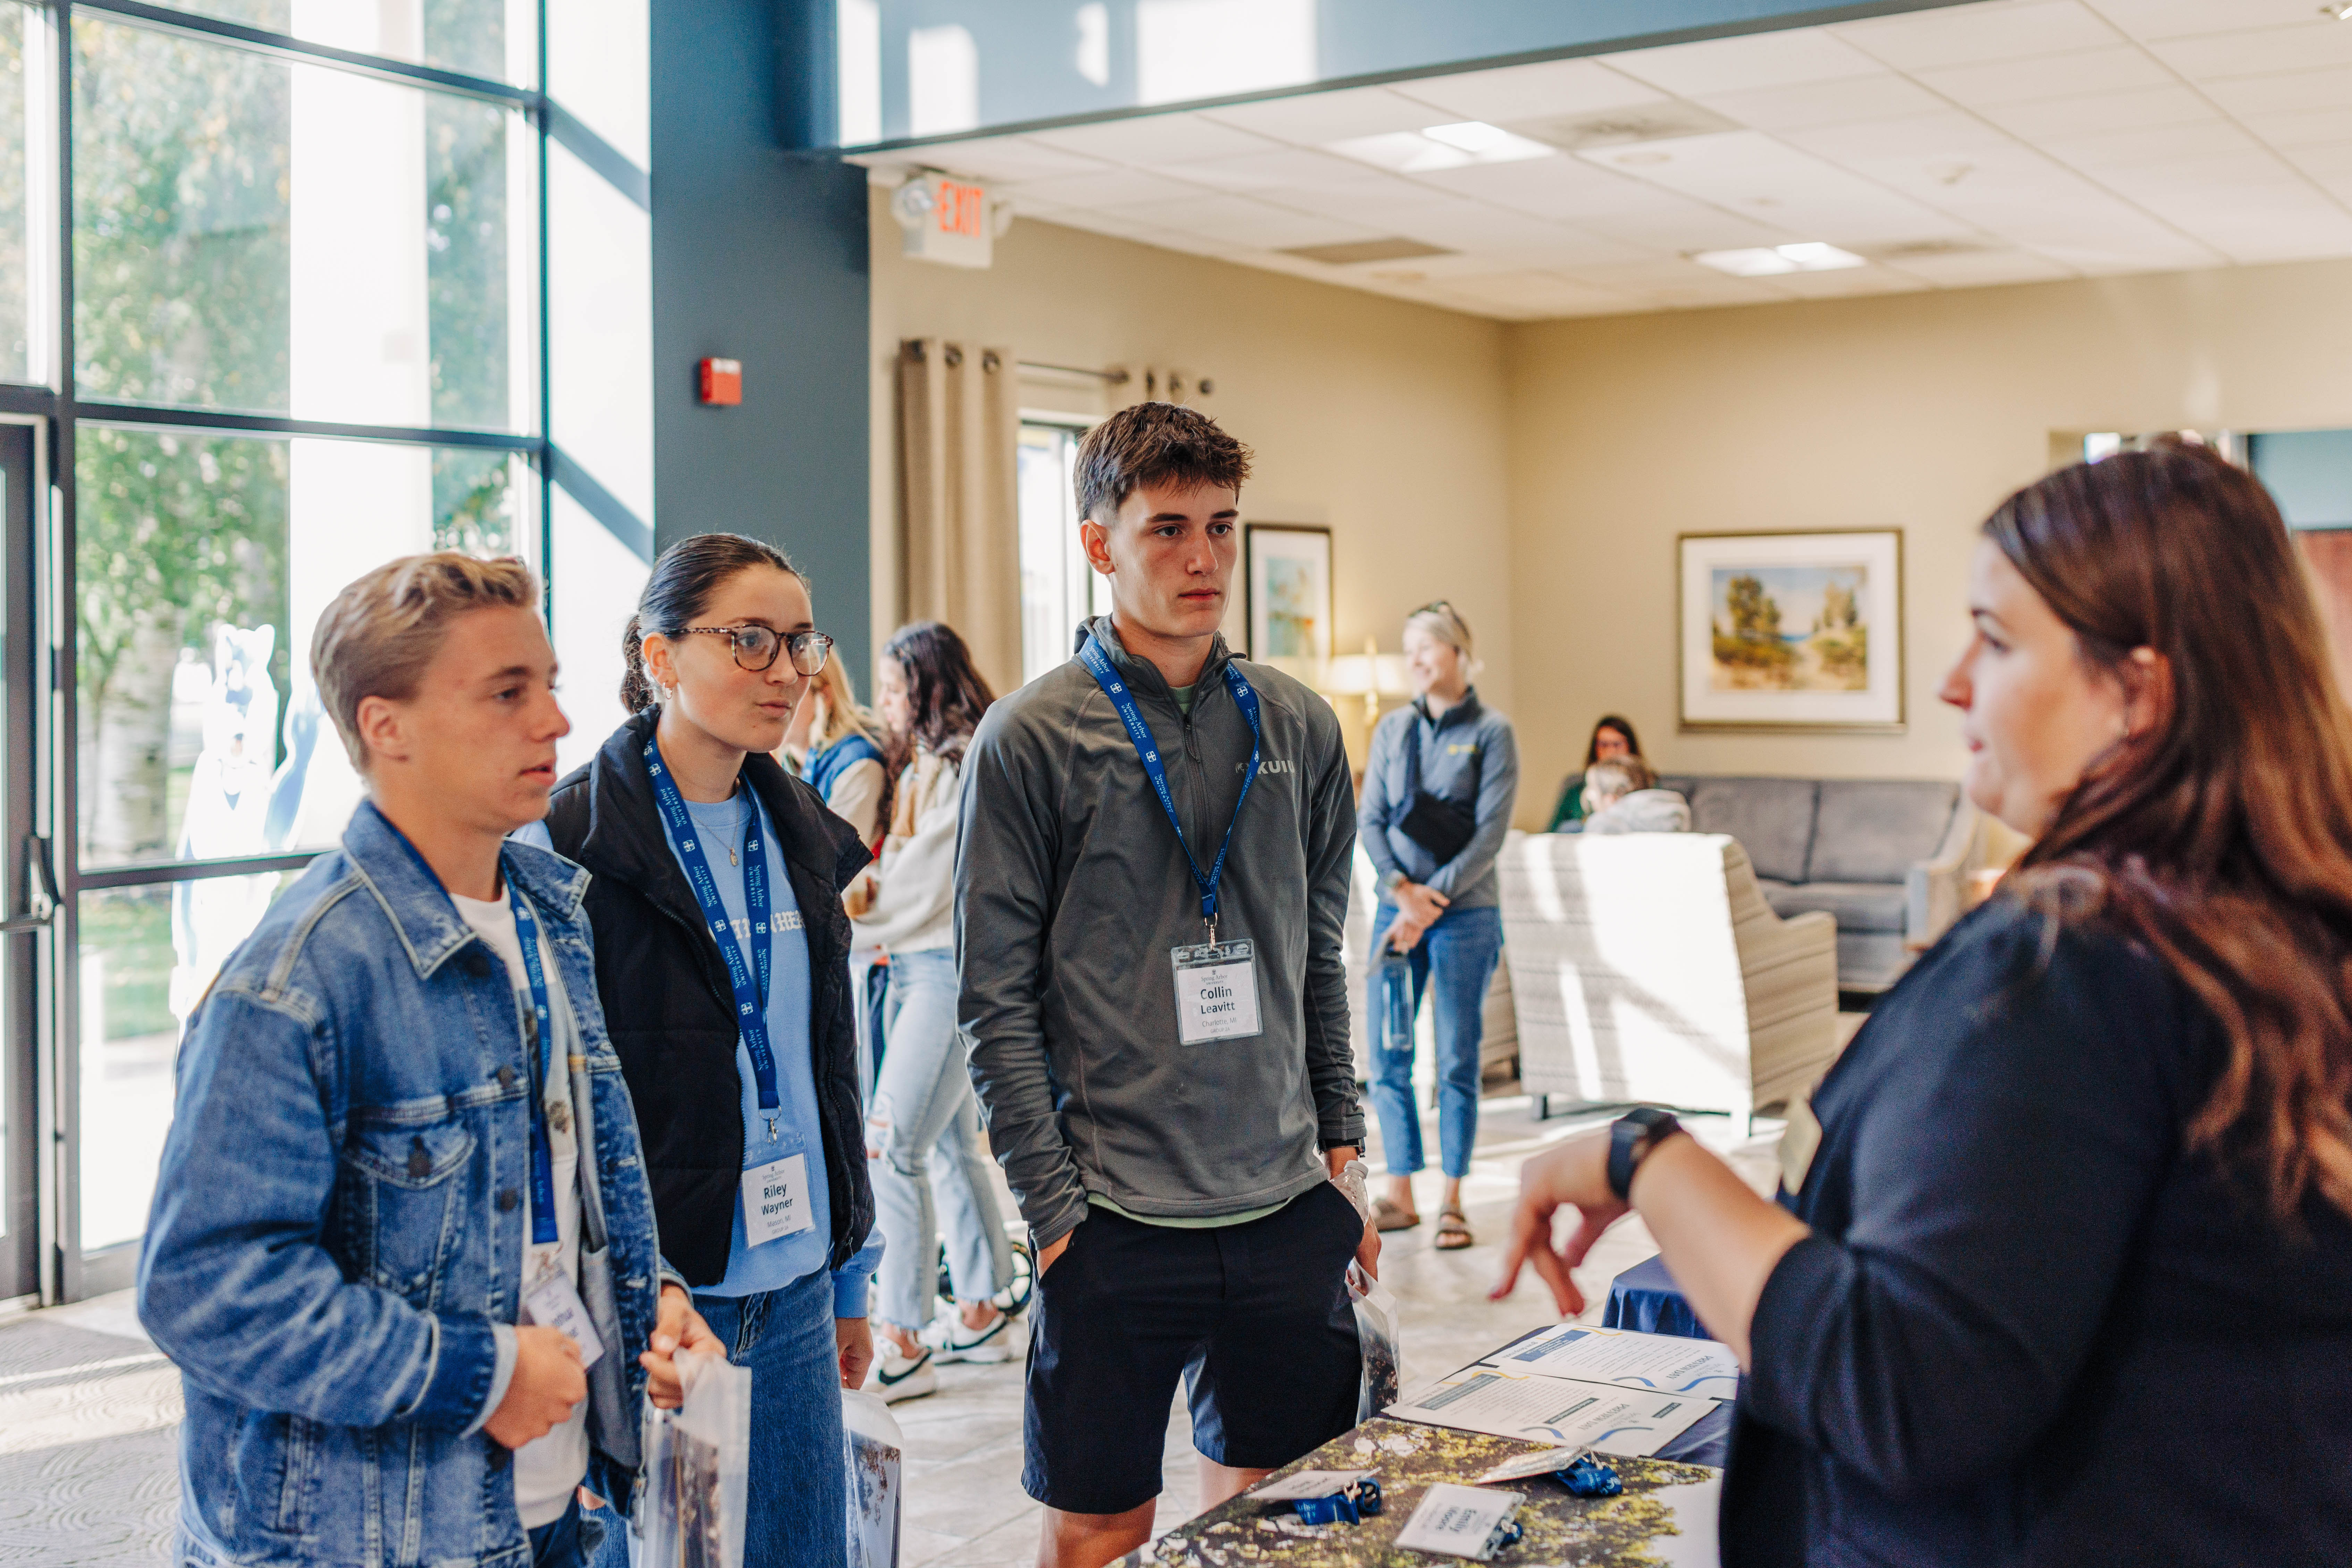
(1286, 590)
(1791, 631)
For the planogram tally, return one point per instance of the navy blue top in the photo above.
(2029, 1326)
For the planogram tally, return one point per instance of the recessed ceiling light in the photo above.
(1470, 135)
(1765, 261)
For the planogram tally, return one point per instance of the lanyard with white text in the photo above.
(539, 1036)
(750, 997)
(1099, 664)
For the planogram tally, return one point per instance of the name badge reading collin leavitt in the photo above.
(1216, 992)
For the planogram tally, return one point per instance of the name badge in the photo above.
(1216, 992)
(775, 1200)
(553, 1302)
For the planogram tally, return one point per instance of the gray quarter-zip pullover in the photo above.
(1072, 889)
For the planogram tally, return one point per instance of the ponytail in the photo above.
(637, 692)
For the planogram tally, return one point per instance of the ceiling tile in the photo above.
(1757, 60)
(2319, 42)
(1975, 268)
(1881, 96)
(2252, 177)
(2330, 165)
(1675, 282)
(1688, 225)
(2048, 76)
(1949, 135)
(1538, 293)
(1384, 199)
(2178, 19)
(1549, 187)
(1751, 174)
(1270, 170)
(2282, 92)
(1118, 187)
(1967, 35)
(2306, 127)
(2048, 118)
(2163, 145)
(1008, 158)
(1531, 92)
(1313, 119)
(1240, 220)
(1848, 283)
(1155, 139)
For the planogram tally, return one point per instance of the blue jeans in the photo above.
(1461, 948)
(571, 1541)
(923, 1107)
(798, 1508)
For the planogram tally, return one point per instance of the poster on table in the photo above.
(1791, 631)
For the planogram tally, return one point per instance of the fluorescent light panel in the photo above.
(1765, 261)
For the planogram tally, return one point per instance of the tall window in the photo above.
(345, 278)
(1058, 589)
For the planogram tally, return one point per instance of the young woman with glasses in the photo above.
(721, 959)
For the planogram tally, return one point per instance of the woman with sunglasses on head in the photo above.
(2060, 1272)
(721, 959)
(1438, 790)
(923, 1129)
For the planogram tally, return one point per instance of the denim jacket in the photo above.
(338, 1221)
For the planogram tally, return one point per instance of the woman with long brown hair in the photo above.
(923, 1122)
(2061, 1268)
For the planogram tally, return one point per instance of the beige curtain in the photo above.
(959, 502)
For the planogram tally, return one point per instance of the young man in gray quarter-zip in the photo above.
(1152, 880)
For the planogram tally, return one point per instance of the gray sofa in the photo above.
(1886, 857)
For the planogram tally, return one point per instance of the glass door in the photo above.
(26, 937)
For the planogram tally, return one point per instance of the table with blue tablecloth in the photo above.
(1646, 1300)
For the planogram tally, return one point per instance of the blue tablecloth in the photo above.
(1645, 1299)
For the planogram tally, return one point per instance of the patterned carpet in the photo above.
(87, 1428)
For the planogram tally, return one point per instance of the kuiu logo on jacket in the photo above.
(1270, 765)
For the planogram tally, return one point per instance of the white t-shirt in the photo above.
(548, 1469)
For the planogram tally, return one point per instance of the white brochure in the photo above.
(1308, 1484)
(1553, 1410)
(1459, 1521)
(1665, 1363)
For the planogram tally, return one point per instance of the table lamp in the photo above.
(1370, 675)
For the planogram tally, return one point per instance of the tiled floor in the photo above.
(89, 1413)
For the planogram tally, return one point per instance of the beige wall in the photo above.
(1383, 420)
(1916, 412)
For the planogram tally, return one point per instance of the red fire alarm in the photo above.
(722, 381)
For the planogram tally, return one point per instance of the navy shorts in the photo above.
(1253, 1317)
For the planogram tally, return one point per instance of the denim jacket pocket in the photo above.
(405, 1209)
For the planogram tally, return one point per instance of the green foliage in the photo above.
(1753, 637)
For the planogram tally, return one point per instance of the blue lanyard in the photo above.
(750, 997)
(1099, 665)
(539, 1036)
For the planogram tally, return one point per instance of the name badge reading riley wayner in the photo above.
(1216, 992)
(775, 1200)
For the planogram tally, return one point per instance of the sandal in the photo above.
(1454, 1231)
(1386, 1215)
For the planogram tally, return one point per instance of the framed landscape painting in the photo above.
(1791, 631)
(1287, 592)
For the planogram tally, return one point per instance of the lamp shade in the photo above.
(1366, 674)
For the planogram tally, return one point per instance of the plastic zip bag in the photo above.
(876, 1452)
(696, 1476)
(1377, 1329)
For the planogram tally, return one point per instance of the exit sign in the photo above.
(947, 220)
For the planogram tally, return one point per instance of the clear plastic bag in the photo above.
(1377, 1332)
(876, 1452)
(696, 1478)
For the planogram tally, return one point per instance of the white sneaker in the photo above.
(895, 1377)
(948, 1340)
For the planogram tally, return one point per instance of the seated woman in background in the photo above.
(1623, 796)
(1612, 741)
(2062, 1271)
